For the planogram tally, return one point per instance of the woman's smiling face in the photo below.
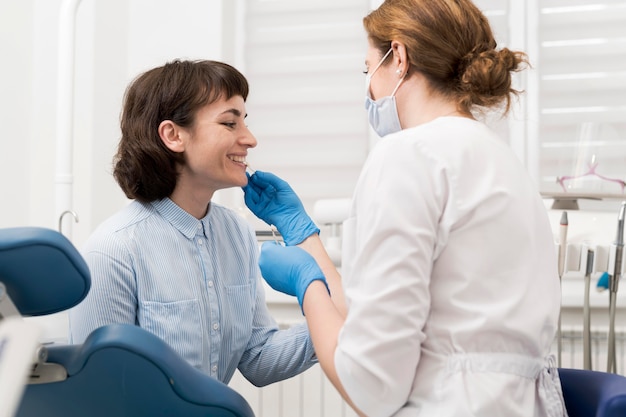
(216, 146)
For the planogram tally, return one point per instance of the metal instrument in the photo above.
(615, 271)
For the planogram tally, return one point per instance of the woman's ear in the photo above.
(400, 58)
(170, 133)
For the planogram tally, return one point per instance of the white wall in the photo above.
(16, 37)
(116, 39)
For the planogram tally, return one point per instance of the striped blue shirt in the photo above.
(195, 284)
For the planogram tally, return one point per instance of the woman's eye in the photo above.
(230, 124)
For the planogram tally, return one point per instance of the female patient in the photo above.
(173, 262)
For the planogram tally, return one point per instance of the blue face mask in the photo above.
(382, 113)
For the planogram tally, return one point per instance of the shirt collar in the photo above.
(179, 218)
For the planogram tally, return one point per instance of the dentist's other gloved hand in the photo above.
(272, 200)
(289, 269)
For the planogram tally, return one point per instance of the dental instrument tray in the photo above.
(569, 201)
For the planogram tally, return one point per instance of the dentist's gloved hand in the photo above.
(272, 200)
(289, 269)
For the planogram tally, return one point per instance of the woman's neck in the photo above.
(190, 199)
(418, 104)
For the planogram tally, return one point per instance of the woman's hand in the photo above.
(272, 200)
(289, 269)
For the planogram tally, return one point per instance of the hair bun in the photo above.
(486, 75)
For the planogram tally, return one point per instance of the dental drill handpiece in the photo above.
(617, 249)
(563, 225)
(586, 311)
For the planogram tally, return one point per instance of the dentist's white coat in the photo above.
(450, 275)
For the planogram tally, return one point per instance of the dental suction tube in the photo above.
(563, 225)
(589, 264)
(618, 249)
(615, 265)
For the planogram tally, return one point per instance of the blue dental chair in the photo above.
(120, 370)
(593, 393)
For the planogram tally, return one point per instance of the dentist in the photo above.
(450, 295)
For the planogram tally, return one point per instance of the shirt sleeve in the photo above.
(273, 355)
(111, 298)
(398, 201)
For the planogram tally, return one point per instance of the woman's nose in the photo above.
(249, 139)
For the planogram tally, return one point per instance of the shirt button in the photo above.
(214, 368)
(216, 326)
(211, 284)
(199, 241)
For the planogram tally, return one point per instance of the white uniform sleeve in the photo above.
(398, 202)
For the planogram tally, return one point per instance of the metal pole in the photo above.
(64, 178)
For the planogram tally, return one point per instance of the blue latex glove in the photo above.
(289, 269)
(272, 200)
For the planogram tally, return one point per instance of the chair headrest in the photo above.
(42, 270)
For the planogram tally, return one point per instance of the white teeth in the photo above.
(241, 159)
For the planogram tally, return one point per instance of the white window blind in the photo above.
(304, 61)
(497, 11)
(582, 100)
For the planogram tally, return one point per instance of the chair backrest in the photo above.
(42, 271)
(593, 393)
(120, 370)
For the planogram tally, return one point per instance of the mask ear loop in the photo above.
(369, 75)
(398, 71)
(393, 93)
